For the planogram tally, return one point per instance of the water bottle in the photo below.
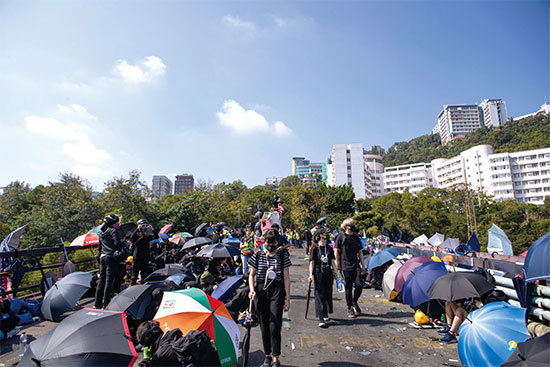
(340, 285)
(23, 344)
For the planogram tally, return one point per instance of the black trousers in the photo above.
(350, 277)
(269, 305)
(107, 275)
(139, 265)
(323, 293)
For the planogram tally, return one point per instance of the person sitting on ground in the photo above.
(455, 313)
(210, 277)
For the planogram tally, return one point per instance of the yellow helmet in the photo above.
(130, 259)
(420, 318)
(436, 258)
(448, 258)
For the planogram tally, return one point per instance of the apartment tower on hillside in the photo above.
(184, 183)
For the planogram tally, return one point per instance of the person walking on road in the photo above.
(141, 241)
(269, 282)
(349, 255)
(306, 237)
(321, 267)
(109, 243)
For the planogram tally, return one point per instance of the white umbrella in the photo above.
(451, 243)
(436, 240)
(420, 240)
(389, 278)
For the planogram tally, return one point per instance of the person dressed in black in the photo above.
(269, 282)
(321, 267)
(109, 243)
(141, 241)
(306, 237)
(217, 236)
(349, 255)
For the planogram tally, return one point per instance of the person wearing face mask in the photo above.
(141, 241)
(269, 282)
(109, 243)
(349, 255)
(321, 267)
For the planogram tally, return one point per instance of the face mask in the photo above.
(271, 248)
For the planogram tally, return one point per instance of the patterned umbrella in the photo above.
(87, 239)
(192, 309)
(12, 241)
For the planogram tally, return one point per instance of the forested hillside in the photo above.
(514, 136)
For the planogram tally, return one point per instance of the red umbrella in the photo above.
(166, 228)
(523, 254)
(87, 239)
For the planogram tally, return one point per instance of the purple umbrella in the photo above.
(406, 269)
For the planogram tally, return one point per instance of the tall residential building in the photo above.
(455, 121)
(350, 165)
(300, 166)
(162, 185)
(545, 108)
(184, 182)
(409, 177)
(493, 112)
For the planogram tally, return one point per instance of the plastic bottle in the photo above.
(23, 344)
(340, 285)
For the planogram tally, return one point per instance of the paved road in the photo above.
(379, 337)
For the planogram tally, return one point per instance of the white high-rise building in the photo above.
(374, 169)
(493, 112)
(161, 186)
(409, 177)
(455, 121)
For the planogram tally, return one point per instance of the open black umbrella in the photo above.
(196, 242)
(459, 285)
(219, 250)
(64, 295)
(128, 229)
(533, 352)
(201, 228)
(86, 338)
(169, 269)
(133, 300)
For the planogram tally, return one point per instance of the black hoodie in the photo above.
(109, 241)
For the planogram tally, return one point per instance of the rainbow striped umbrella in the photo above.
(192, 309)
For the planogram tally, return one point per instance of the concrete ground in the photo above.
(381, 336)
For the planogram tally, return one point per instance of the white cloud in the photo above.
(280, 21)
(88, 171)
(239, 23)
(242, 121)
(149, 69)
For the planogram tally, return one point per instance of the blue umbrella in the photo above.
(227, 288)
(164, 236)
(179, 278)
(473, 243)
(231, 241)
(382, 257)
(415, 289)
(498, 241)
(490, 334)
(537, 266)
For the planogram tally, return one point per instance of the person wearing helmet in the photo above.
(109, 243)
(218, 236)
(140, 245)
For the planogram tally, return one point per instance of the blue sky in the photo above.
(233, 90)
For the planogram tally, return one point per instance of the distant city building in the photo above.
(162, 185)
(300, 166)
(184, 183)
(493, 112)
(545, 108)
(455, 121)
(273, 180)
(307, 171)
(374, 170)
(409, 177)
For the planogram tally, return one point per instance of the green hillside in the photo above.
(514, 136)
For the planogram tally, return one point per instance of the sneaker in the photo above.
(449, 338)
(326, 319)
(356, 308)
(351, 313)
(277, 363)
(445, 330)
(322, 324)
(268, 362)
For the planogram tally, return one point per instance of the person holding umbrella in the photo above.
(269, 282)
(321, 266)
(349, 255)
(109, 244)
(140, 242)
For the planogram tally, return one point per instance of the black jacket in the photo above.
(109, 241)
(141, 244)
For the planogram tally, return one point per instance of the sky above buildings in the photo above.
(233, 90)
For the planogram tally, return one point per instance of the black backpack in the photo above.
(196, 349)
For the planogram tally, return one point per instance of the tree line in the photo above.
(67, 208)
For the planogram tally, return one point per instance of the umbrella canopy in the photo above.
(96, 230)
(408, 266)
(180, 241)
(536, 266)
(11, 242)
(164, 236)
(473, 243)
(64, 295)
(87, 239)
(196, 242)
(420, 240)
(166, 228)
(179, 278)
(169, 269)
(415, 289)
(455, 286)
(192, 309)
(534, 352)
(490, 334)
(499, 242)
(389, 278)
(436, 240)
(133, 300)
(128, 229)
(524, 253)
(451, 243)
(219, 250)
(382, 257)
(86, 338)
(232, 241)
(321, 220)
(202, 228)
(226, 289)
